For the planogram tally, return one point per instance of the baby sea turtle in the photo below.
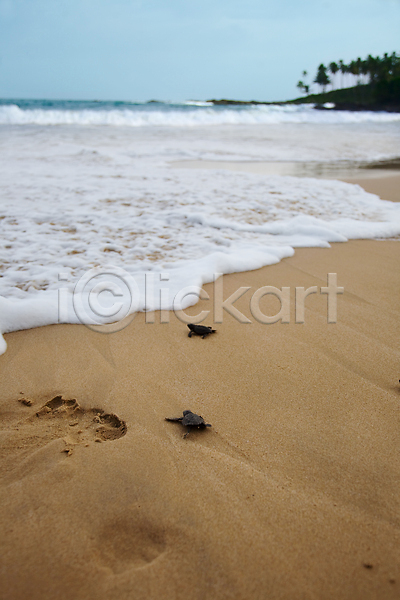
(190, 420)
(200, 330)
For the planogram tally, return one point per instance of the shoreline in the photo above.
(382, 179)
(387, 188)
(294, 491)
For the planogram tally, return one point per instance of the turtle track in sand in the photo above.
(59, 425)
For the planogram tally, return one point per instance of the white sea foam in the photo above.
(74, 199)
(211, 115)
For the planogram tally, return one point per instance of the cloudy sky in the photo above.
(181, 49)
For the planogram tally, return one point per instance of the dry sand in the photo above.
(294, 493)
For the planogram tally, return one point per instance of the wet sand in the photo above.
(293, 493)
(386, 187)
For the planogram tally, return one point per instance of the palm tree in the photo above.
(306, 86)
(358, 70)
(396, 65)
(333, 69)
(342, 69)
(364, 70)
(303, 87)
(371, 67)
(322, 77)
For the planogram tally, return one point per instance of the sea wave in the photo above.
(187, 115)
(154, 221)
(79, 198)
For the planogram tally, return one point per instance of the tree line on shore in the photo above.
(370, 70)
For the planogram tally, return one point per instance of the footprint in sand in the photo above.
(129, 542)
(29, 435)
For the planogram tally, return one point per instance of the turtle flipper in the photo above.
(173, 418)
(187, 433)
(208, 425)
(190, 333)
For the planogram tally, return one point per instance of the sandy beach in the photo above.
(386, 187)
(384, 182)
(294, 492)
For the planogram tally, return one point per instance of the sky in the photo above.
(183, 50)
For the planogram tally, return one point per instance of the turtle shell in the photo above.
(192, 420)
(200, 329)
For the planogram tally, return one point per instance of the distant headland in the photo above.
(376, 86)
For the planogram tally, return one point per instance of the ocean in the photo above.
(91, 194)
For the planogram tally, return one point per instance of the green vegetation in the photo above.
(377, 84)
(303, 87)
(322, 77)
